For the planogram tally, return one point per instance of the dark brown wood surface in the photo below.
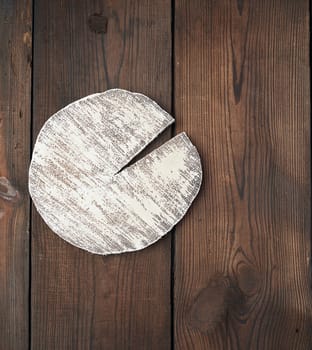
(238, 274)
(242, 263)
(15, 102)
(79, 300)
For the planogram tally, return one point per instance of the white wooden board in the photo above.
(76, 182)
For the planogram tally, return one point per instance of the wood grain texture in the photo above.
(15, 62)
(242, 265)
(81, 301)
(83, 188)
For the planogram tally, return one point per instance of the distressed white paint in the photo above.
(77, 186)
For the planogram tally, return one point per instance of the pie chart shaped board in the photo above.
(85, 192)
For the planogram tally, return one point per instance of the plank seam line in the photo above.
(30, 201)
(172, 269)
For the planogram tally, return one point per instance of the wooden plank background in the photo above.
(242, 267)
(15, 121)
(236, 273)
(79, 300)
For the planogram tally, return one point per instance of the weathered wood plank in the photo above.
(15, 100)
(81, 301)
(242, 266)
